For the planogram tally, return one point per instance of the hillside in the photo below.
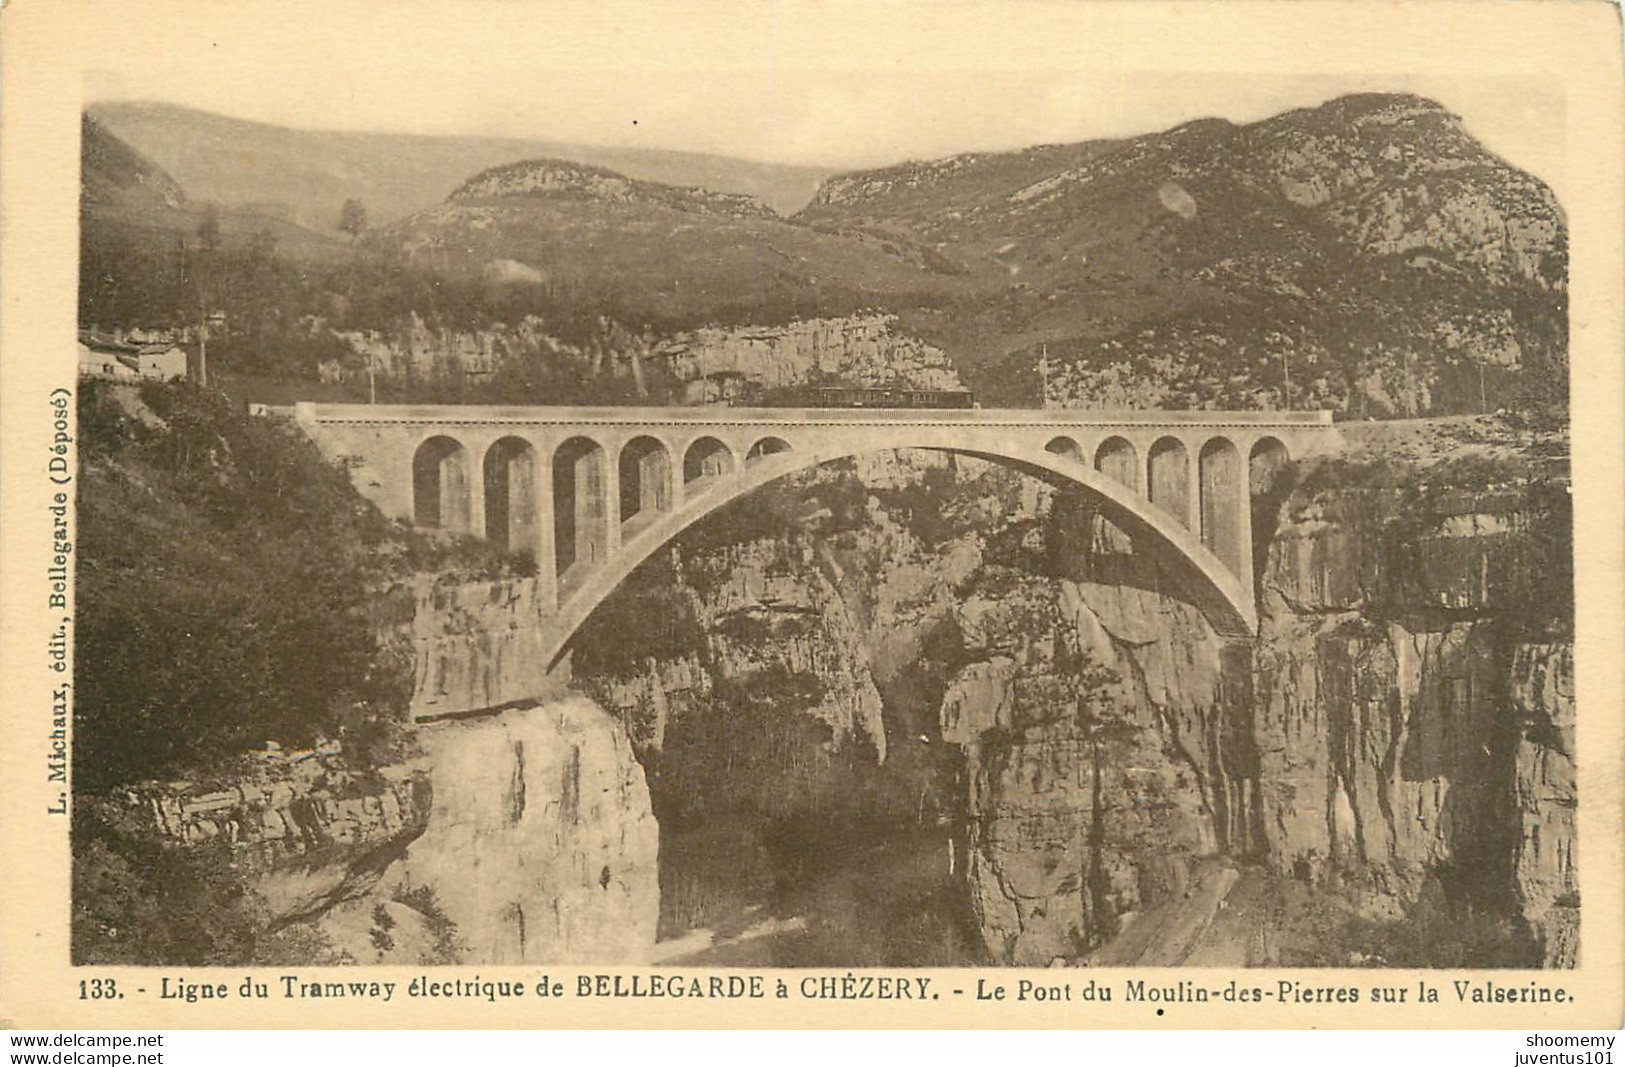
(114, 175)
(306, 175)
(1367, 255)
(126, 200)
(654, 253)
(1371, 241)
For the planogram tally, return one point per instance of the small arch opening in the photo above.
(510, 495)
(1065, 447)
(1219, 463)
(580, 522)
(440, 485)
(1117, 460)
(1168, 478)
(645, 479)
(767, 446)
(1268, 483)
(707, 458)
(1265, 465)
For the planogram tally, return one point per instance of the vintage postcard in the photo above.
(808, 514)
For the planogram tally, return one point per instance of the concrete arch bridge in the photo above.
(593, 492)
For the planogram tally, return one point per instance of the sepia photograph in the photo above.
(590, 505)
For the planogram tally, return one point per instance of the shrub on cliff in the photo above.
(136, 901)
(225, 582)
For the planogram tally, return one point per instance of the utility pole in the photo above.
(202, 340)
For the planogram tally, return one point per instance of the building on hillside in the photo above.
(102, 357)
(161, 361)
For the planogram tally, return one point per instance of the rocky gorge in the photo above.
(917, 710)
(905, 709)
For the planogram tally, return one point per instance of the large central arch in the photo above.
(1212, 586)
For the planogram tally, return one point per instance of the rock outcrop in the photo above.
(766, 615)
(305, 831)
(1414, 698)
(1106, 758)
(541, 846)
(858, 350)
(520, 837)
(558, 179)
(477, 645)
(704, 365)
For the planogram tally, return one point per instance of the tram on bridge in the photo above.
(849, 396)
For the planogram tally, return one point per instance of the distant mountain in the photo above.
(113, 175)
(125, 196)
(561, 180)
(677, 256)
(1389, 174)
(1366, 255)
(1369, 250)
(308, 174)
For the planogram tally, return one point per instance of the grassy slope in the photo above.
(310, 173)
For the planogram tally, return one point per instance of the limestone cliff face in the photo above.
(476, 645)
(1545, 841)
(541, 846)
(1414, 706)
(703, 365)
(520, 837)
(416, 351)
(859, 349)
(1106, 756)
(305, 831)
(766, 615)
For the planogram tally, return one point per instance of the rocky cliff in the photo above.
(1398, 740)
(476, 644)
(857, 350)
(1094, 737)
(690, 366)
(1414, 706)
(309, 831)
(520, 837)
(541, 846)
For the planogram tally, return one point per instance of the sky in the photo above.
(836, 84)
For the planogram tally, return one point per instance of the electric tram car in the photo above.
(843, 396)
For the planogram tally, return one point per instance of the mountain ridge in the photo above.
(1367, 254)
(312, 172)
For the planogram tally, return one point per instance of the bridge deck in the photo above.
(714, 415)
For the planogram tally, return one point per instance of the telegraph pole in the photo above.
(202, 340)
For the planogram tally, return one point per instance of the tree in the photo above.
(353, 218)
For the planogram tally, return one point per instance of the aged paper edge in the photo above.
(1575, 45)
